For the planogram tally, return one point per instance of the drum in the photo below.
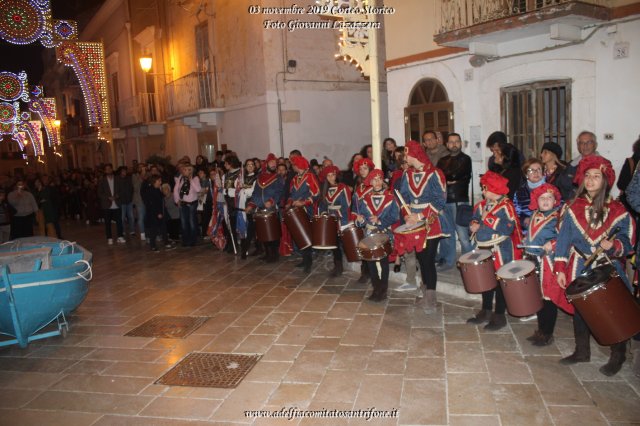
(351, 236)
(299, 226)
(606, 305)
(477, 271)
(521, 287)
(409, 229)
(324, 232)
(374, 247)
(267, 225)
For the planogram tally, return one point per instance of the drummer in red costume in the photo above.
(267, 194)
(496, 227)
(304, 191)
(540, 244)
(336, 201)
(362, 167)
(378, 211)
(590, 221)
(423, 189)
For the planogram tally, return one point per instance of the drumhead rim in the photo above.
(476, 262)
(585, 293)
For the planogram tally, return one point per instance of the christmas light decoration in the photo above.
(32, 130)
(26, 21)
(8, 113)
(46, 109)
(13, 86)
(65, 30)
(87, 60)
(20, 137)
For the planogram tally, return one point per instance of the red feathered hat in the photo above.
(360, 162)
(595, 162)
(300, 162)
(271, 157)
(415, 150)
(329, 169)
(545, 188)
(372, 175)
(495, 183)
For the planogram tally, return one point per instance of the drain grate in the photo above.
(212, 370)
(167, 326)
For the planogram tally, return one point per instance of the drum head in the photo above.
(406, 227)
(516, 269)
(475, 256)
(590, 279)
(373, 241)
(348, 225)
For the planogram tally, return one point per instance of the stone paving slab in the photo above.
(324, 347)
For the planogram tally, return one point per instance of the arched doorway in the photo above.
(429, 109)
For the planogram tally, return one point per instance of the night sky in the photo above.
(16, 58)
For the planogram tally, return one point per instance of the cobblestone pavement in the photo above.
(324, 347)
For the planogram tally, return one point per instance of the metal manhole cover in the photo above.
(213, 370)
(167, 326)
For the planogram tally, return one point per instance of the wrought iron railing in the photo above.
(190, 93)
(458, 14)
(140, 109)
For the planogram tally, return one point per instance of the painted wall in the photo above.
(604, 90)
(411, 28)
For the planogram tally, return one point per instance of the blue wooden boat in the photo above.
(41, 281)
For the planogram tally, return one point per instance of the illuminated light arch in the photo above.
(26, 21)
(13, 86)
(87, 60)
(32, 130)
(46, 110)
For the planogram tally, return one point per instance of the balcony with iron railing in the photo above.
(191, 94)
(143, 108)
(463, 20)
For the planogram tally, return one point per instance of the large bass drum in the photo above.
(477, 271)
(351, 236)
(324, 232)
(605, 303)
(521, 287)
(267, 226)
(299, 226)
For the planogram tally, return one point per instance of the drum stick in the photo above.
(526, 246)
(600, 249)
(404, 205)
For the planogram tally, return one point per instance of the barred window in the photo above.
(536, 113)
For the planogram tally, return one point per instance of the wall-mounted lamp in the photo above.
(146, 62)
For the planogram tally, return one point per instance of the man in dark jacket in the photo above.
(457, 170)
(125, 198)
(156, 215)
(108, 189)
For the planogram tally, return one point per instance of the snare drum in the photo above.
(606, 305)
(374, 247)
(521, 287)
(351, 236)
(409, 229)
(299, 226)
(324, 232)
(477, 271)
(267, 226)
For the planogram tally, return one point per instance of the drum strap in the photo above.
(379, 269)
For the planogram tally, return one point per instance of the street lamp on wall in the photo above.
(146, 62)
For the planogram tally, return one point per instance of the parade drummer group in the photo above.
(558, 232)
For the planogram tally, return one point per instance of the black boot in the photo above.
(616, 359)
(307, 260)
(481, 317)
(337, 268)
(258, 250)
(244, 248)
(364, 273)
(376, 290)
(582, 352)
(496, 322)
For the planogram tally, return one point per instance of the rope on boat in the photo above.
(64, 244)
(83, 273)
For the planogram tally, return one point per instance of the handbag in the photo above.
(464, 212)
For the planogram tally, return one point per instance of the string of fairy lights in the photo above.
(26, 22)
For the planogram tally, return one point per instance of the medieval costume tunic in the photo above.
(360, 190)
(499, 232)
(381, 204)
(543, 228)
(245, 225)
(304, 187)
(581, 232)
(269, 187)
(229, 182)
(336, 202)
